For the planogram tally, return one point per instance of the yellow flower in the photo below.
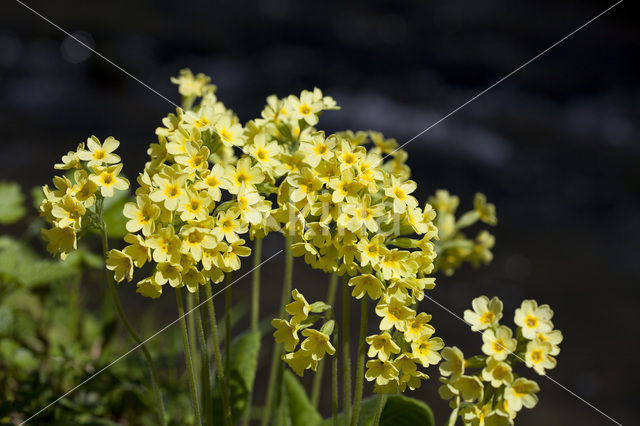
(168, 273)
(533, 319)
(366, 283)
(120, 264)
(486, 313)
(469, 387)
(538, 356)
(84, 190)
(68, 212)
(486, 211)
(426, 350)
(498, 344)
(418, 327)
(228, 225)
(165, 245)
(138, 250)
(235, 250)
(142, 215)
(299, 308)
(498, 373)
(305, 108)
(299, 361)
(190, 85)
(70, 161)
(521, 392)
(381, 371)
(361, 214)
(194, 206)
(554, 337)
(382, 346)
(244, 175)
(168, 190)
(371, 251)
(99, 154)
(212, 181)
(149, 288)
(394, 313)
(444, 202)
(317, 148)
(195, 240)
(108, 180)
(194, 159)
(192, 278)
(317, 343)
(305, 185)
(454, 363)
(399, 192)
(285, 333)
(230, 132)
(60, 240)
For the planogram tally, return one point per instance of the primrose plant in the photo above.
(343, 202)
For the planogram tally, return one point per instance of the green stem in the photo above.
(255, 296)
(334, 382)
(317, 380)
(227, 327)
(360, 363)
(187, 357)
(275, 374)
(255, 311)
(204, 365)
(191, 326)
(379, 407)
(134, 336)
(224, 388)
(346, 357)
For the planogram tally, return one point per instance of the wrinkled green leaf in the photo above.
(404, 411)
(399, 410)
(11, 203)
(244, 363)
(299, 409)
(19, 264)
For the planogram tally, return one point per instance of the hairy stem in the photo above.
(227, 327)
(134, 336)
(334, 382)
(224, 386)
(379, 407)
(275, 374)
(364, 315)
(255, 311)
(317, 380)
(187, 357)
(204, 365)
(346, 357)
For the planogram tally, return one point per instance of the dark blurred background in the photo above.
(555, 147)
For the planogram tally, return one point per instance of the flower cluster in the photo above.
(75, 202)
(453, 246)
(494, 393)
(316, 343)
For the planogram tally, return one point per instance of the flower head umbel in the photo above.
(506, 392)
(75, 205)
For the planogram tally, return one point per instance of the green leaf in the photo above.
(11, 203)
(404, 411)
(294, 398)
(399, 410)
(6, 320)
(19, 264)
(244, 363)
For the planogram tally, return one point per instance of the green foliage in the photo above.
(398, 410)
(244, 363)
(20, 265)
(11, 203)
(296, 408)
